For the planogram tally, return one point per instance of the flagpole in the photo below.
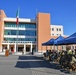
(36, 31)
(17, 33)
(17, 39)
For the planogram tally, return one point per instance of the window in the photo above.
(56, 47)
(4, 39)
(21, 25)
(57, 29)
(52, 34)
(52, 29)
(8, 33)
(72, 47)
(52, 47)
(20, 39)
(63, 47)
(57, 34)
(21, 32)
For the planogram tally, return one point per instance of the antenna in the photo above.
(36, 12)
(36, 27)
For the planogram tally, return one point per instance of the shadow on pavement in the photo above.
(36, 62)
(29, 57)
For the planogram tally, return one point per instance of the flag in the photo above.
(17, 17)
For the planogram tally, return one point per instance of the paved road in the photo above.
(28, 65)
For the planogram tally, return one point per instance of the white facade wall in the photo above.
(56, 31)
(19, 28)
(20, 20)
(19, 36)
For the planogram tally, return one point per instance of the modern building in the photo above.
(25, 40)
(31, 33)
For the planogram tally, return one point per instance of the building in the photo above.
(31, 33)
(26, 39)
(56, 30)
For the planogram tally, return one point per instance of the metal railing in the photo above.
(18, 42)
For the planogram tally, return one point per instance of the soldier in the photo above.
(69, 53)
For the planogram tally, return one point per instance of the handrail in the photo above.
(18, 42)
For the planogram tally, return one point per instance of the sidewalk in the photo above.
(28, 65)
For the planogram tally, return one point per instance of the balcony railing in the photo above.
(18, 42)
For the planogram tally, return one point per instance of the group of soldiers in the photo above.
(66, 58)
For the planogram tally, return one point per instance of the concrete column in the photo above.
(24, 48)
(0, 48)
(8, 46)
(31, 48)
(36, 47)
(15, 47)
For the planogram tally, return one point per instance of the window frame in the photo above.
(52, 29)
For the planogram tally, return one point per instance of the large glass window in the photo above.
(21, 25)
(21, 32)
(20, 39)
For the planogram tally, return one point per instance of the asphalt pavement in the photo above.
(29, 65)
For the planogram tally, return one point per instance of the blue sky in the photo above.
(63, 12)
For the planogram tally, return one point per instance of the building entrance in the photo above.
(28, 48)
(20, 49)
